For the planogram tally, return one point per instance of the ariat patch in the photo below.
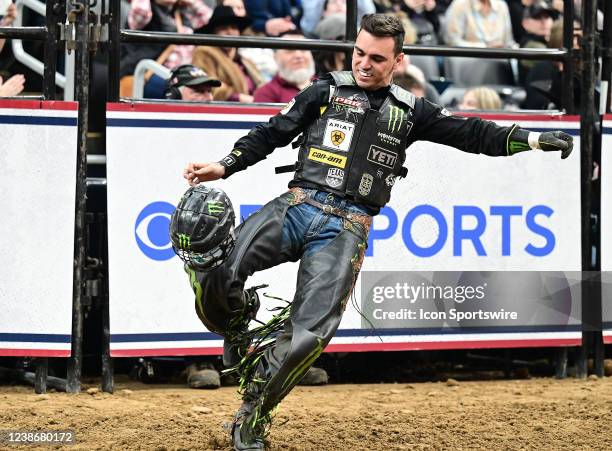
(331, 159)
(338, 135)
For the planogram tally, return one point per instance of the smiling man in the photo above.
(355, 128)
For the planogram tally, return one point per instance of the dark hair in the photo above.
(385, 25)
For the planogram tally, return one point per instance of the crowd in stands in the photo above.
(263, 75)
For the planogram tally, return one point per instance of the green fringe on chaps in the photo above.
(250, 368)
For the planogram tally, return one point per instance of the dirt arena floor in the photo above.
(539, 413)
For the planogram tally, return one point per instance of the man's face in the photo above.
(293, 60)
(237, 6)
(335, 7)
(199, 93)
(374, 60)
(227, 30)
(540, 25)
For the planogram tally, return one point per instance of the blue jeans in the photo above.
(307, 227)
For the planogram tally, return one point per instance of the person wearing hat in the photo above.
(538, 19)
(238, 75)
(190, 83)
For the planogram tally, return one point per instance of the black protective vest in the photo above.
(353, 150)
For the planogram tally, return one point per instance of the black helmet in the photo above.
(202, 228)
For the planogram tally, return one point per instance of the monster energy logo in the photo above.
(184, 241)
(395, 114)
(215, 208)
(517, 146)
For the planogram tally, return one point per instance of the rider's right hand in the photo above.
(203, 172)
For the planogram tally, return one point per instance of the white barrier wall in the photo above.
(606, 227)
(37, 200)
(454, 212)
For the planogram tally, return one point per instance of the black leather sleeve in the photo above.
(280, 130)
(474, 135)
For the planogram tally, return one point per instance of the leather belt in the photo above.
(298, 196)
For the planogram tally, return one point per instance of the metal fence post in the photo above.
(588, 120)
(82, 96)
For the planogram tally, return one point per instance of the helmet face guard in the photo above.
(202, 228)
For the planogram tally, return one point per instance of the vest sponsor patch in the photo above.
(390, 180)
(288, 107)
(348, 102)
(349, 105)
(398, 118)
(338, 135)
(334, 177)
(328, 158)
(229, 160)
(365, 185)
(382, 157)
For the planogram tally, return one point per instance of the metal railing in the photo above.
(25, 58)
(118, 36)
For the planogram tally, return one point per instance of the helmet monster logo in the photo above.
(396, 117)
(202, 228)
(215, 208)
(337, 137)
(184, 241)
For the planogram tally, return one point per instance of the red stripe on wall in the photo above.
(165, 352)
(364, 347)
(39, 105)
(34, 353)
(441, 345)
(178, 108)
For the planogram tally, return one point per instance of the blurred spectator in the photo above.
(7, 20)
(480, 98)
(478, 23)
(424, 16)
(181, 16)
(239, 76)
(412, 78)
(190, 83)
(410, 83)
(236, 5)
(544, 81)
(537, 22)
(295, 71)
(330, 28)
(263, 58)
(272, 17)
(315, 10)
(12, 86)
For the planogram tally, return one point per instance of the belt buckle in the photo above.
(327, 209)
